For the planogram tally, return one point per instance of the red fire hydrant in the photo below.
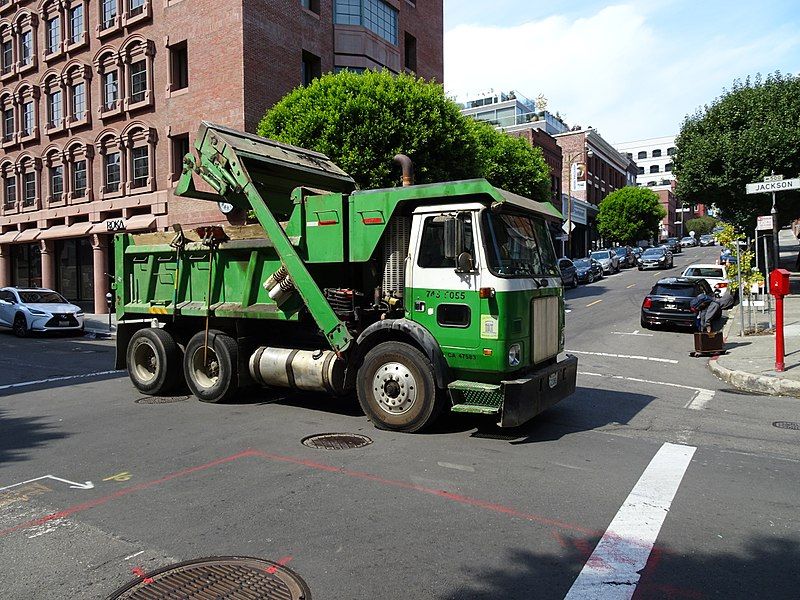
(779, 287)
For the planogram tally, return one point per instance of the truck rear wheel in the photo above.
(211, 374)
(154, 361)
(397, 389)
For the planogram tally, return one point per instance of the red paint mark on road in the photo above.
(282, 562)
(139, 572)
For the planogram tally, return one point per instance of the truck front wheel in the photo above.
(211, 372)
(154, 361)
(397, 389)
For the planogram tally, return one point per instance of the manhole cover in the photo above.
(787, 425)
(742, 392)
(161, 399)
(336, 441)
(229, 577)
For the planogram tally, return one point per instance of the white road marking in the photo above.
(701, 397)
(614, 568)
(636, 332)
(78, 486)
(134, 555)
(567, 310)
(52, 379)
(634, 357)
(448, 465)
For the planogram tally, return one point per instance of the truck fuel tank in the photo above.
(315, 371)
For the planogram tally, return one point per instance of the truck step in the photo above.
(475, 397)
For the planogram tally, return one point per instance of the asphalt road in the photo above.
(466, 511)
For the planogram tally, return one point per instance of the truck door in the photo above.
(443, 300)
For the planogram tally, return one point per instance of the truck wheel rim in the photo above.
(145, 362)
(205, 369)
(394, 388)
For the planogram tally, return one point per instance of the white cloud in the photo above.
(614, 69)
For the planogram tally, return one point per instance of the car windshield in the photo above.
(41, 298)
(601, 254)
(688, 239)
(621, 251)
(583, 263)
(704, 272)
(519, 245)
(672, 240)
(653, 253)
(683, 290)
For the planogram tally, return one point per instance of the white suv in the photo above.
(38, 309)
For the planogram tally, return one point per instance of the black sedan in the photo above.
(668, 302)
(656, 258)
(588, 269)
(674, 245)
(569, 274)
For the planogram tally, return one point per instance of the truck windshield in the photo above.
(518, 246)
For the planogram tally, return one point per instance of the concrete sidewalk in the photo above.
(750, 360)
(97, 326)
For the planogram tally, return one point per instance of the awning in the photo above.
(66, 231)
(136, 223)
(28, 235)
(8, 237)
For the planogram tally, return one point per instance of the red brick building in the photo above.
(100, 100)
(552, 156)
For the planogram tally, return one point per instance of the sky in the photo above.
(631, 70)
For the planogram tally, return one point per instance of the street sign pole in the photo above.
(776, 260)
(766, 281)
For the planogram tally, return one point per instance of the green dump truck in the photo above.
(418, 298)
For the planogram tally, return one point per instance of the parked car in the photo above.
(688, 242)
(625, 256)
(607, 258)
(715, 275)
(674, 245)
(637, 254)
(708, 240)
(656, 258)
(38, 309)
(668, 302)
(589, 270)
(726, 257)
(569, 274)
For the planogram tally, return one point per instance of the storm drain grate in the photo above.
(161, 399)
(787, 425)
(336, 441)
(229, 577)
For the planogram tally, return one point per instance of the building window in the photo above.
(110, 89)
(141, 166)
(641, 155)
(79, 101)
(7, 62)
(8, 124)
(654, 168)
(135, 7)
(10, 191)
(640, 170)
(410, 48)
(26, 47)
(112, 172)
(671, 151)
(56, 182)
(54, 109)
(375, 15)
(311, 68)
(29, 188)
(180, 148)
(668, 167)
(179, 66)
(76, 24)
(27, 119)
(79, 179)
(312, 5)
(656, 153)
(108, 14)
(53, 29)
(138, 74)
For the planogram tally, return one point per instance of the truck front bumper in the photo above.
(518, 400)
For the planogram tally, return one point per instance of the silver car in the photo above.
(608, 259)
(38, 309)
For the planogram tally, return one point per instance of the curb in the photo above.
(765, 384)
(99, 334)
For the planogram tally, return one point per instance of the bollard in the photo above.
(779, 287)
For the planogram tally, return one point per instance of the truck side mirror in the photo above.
(453, 238)
(464, 263)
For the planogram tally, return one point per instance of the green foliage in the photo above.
(630, 214)
(362, 120)
(700, 225)
(743, 135)
(728, 238)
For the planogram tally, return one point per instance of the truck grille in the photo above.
(544, 328)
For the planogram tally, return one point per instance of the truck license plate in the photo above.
(552, 380)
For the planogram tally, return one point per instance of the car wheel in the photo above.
(574, 282)
(396, 388)
(212, 372)
(20, 326)
(640, 268)
(154, 361)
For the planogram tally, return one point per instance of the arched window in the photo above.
(641, 155)
(76, 80)
(25, 25)
(77, 24)
(8, 65)
(137, 57)
(108, 64)
(27, 100)
(139, 142)
(9, 119)
(53, 184)
(78, 157)
(52, 15)
(54, 98)
(8, 178)
(28, 169)
(113, 164)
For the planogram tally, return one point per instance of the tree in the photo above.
(361, 120)
(700, 225)
(630, 214)
(741, 137)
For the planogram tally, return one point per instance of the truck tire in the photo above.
(154, 361)
(397, 389)
(217, 380)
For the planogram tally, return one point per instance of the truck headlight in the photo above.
(514, 355)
